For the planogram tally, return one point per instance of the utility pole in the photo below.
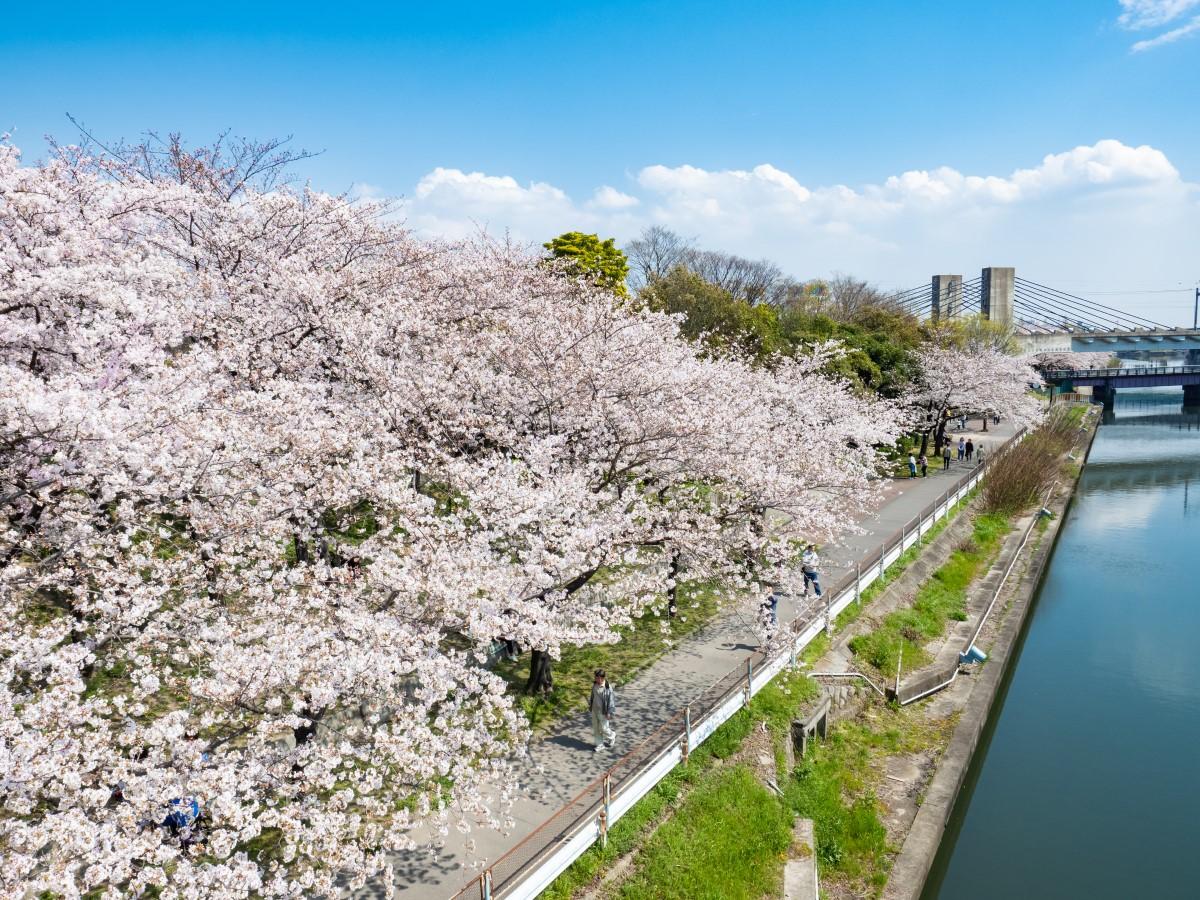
(1195, 309)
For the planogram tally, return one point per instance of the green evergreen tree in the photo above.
(603, 261)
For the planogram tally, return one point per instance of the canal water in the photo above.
(1086, 783)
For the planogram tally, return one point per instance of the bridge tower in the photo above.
(996, 293)
(946, 297)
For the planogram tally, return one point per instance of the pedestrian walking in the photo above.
(602, 706)
(946, 457)
(924, 465)
(912, 466)
(995, 420)
(810, 565)
(962, 448)
(770, 607)
(970, 450)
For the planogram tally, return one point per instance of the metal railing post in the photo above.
(687, 732)
(485, 885)
(749, 678)
(604, 813)
(858, 582)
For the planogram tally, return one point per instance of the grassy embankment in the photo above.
(941, 599)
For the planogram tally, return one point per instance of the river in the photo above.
(1086, 783)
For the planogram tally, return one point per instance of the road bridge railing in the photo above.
(1122, 372)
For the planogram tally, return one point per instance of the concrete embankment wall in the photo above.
(911, 868)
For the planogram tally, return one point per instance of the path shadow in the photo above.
(412, 869)
(571, 743)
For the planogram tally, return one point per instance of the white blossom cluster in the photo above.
(972, 381)
(1051, 360)
(273, 474)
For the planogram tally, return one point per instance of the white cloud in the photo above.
(1168, 37)
(453, 203)
(362, 190)
(1102, 214)
(1141, 15)
(607, 197)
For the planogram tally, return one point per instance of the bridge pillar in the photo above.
(1191, 394)
(1192, 358)
(996, 299)
(1105, 394)
(946, 297)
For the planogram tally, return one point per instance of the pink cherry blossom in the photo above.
(273, 475)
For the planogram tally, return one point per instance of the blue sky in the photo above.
(673, 105)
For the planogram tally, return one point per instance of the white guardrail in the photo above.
(533, 877)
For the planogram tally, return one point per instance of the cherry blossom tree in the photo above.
(1052, 360)
(981, 382)
(274, 473)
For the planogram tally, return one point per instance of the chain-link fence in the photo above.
(541, 856)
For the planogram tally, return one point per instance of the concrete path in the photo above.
(562, 763)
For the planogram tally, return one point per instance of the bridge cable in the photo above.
(1060, 312)
(1086, 318)
(1079, 301)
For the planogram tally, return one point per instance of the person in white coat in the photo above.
(602, 705)
(810, 566)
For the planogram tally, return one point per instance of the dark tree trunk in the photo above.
(924, 443)
(984, 420)
(541, 680)
(303, 733)
(940, 437)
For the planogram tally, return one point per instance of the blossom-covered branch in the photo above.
(274, 474)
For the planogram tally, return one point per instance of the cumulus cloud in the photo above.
(1142, 15)
(607, 197)
(453, 203)
(1117, 213)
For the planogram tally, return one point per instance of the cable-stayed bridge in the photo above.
(1044, 318)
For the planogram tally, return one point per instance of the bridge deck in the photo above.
(1147, 376)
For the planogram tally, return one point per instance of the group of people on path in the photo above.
(966, 453)
(810, 564)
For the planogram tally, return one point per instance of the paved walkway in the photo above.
(562, 764)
